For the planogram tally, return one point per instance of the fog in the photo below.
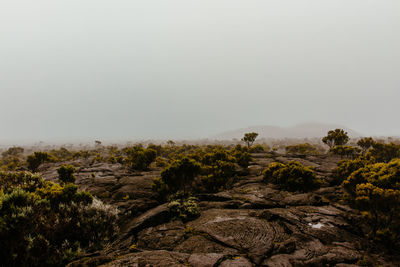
(146, 69)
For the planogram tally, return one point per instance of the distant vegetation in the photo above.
(302, 149)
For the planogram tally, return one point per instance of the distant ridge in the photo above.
(304, 130)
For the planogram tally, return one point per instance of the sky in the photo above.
(73, 69)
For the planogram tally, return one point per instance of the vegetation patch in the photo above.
(302, 149)
(45, 223)
(184, 208)
(292, 176)
(375, 190)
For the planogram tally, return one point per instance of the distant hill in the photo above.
(305, 130)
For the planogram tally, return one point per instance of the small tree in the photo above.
(170, 143)
(336, 137)
(249, 138)
(66, 174)
(97, 143)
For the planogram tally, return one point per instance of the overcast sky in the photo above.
(177, 69)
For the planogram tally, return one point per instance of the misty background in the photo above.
(192, 69)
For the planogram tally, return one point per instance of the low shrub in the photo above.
(345, 151)
(66, 173)
(302, 149)
(37, 158)
(184, 208)
(61, 154)
(292, 176)
(346, 167)
(258, 148)
(139, 158)
(13, 151)
(47, 224)
(382, 152)
(375, 190)
(178, 176)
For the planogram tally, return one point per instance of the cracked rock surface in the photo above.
(250, 224)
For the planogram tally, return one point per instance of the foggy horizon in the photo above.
(140, 70)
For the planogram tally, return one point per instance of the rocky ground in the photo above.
(252, 224)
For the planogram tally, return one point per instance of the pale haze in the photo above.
(191, 69)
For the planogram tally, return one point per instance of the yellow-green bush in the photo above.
(178, 176)
(66, 173)
(292, 176)
(38, 158)
(139, 158)
(345, 151)
(375, 190)
(346, 167)
(47, 224)
(382, 152)
(184, 208)
(302, 149)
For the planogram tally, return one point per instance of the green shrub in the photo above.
(160, 187)
(302, 149)
(61, 154)
(242, 158)
(161, 162)
(346, 167)
(375, 190)
(216, 168)
(66, 173)
(23, 180)
(184, 208)
(258, 148)
(218, 175)
(38, 158)
(139, 158)
(13, 151)
(46, 224)
(177, 176)
(292, 176)
(10, 163)
(384, 152)
(383, 175)
(345, 151)
(219, 167)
